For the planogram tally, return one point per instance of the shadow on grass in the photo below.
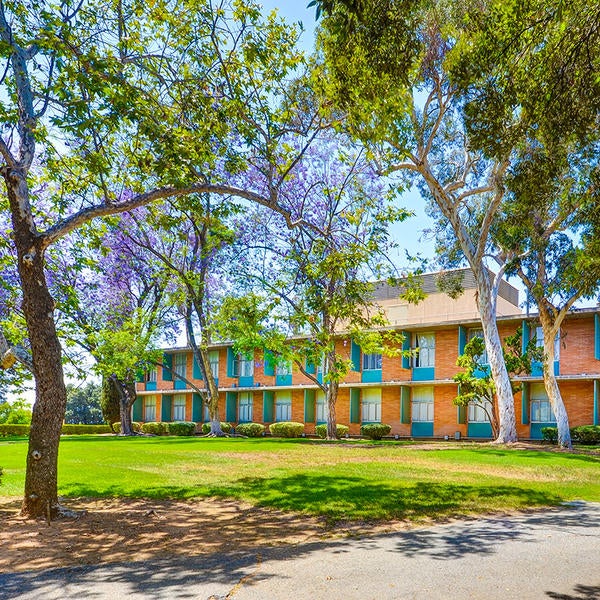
(339, 498)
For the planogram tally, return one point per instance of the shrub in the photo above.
(12, 429)
(181, 428)
(250, 429)
(226, 427)
(375, 431)
(135, 425)
(155, 428)
(586, 434)
(287, 429)
(550, 434)
(69, 429)
(340, 430)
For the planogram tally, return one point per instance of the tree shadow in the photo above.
(580, 592)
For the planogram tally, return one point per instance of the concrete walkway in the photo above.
(553, 555)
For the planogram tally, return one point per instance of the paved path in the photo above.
(549, 555)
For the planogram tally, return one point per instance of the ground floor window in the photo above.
(150, 408)
(371, 405)
(477, 414)
(321, 407)
(179, 407)
(541, 410)
(283, 406)
(422, 404)
(245, 401)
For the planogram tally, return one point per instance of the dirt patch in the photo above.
(113, 530)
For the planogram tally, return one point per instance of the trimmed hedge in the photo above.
(375, 431)
(155, 428)
(550, 434)
(226, 427)
(12, 429)
(340, 430)
(250, 429)
(72, 429)
(137, 427)
(287, 429)
(586, 434)
(181, 428)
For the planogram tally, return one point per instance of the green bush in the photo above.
(12, 429)
(137, 427)
(340, 430)
(68, 429)
(287, 429)
(375, 431)
(550, 434)
(226, 427)
(586, 434)
(250, 429)
(181, 428)
(155, 428)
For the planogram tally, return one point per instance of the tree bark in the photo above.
(126, 393)
(331, 398)
(41, 495)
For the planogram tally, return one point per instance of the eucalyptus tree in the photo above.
(386, 66)
(310, 287)
(112, 106)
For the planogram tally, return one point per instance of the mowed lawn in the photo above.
(339, 481)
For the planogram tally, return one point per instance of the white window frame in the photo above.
(150, 409)
(478, 332)
(213, 359)
(476, 413)
(151, 375)
(283, 406)
(422, 404)
(179, 364)
(424, 343)
(540, 404)
(179, 403)
(371, 362)
(283, 369)
(245, 366)
(539, 341)
(245, 407)
(371, 405)
(321, 407)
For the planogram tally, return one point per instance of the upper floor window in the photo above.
(284, 368)
(539, 341)
(213, 358)
(483, 357)
(424, 343)
(179, 364)
(246, 366)
(371, 362)
(151, 375)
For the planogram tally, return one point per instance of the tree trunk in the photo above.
(212, 393)
(507, 424)
(550, 384)
(331, 399)
(41, 495)
(127, 396)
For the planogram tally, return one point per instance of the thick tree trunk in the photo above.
(41, 496)
(212, 393)
(550, 330)
(126, 394)
(507, 424)
(331, 399)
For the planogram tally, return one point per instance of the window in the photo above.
(179, 407)
(179, 364)
(151, 375)
(371, 405)
(150, 408)
(425, 344)
(476, 414)
(541, 411)
(321, 368)
(422, 404)
(539, 342)
(284, 368)
(245, 400)
(321, 406)
(213, 359)
(246, 366)
(283, 406)
(206, 412)
(483, 357)
(371, 362)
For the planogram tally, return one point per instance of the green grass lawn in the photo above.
(340, 481)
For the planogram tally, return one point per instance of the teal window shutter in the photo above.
(310, 366)
(461, 414)
(167, 370)
(405, 404)
(309, 406)
(597, 336)
(462, 339)
(166, 407)
(139, 376)
(137, 409)
(196, 370)
(231, 363)
(355, 356)
(268, 406)
(525, 404)
(196, 407)
(405, 348)
(231, 407)
(596, 420)
(525, 336)
(354, 405)
(269, 366)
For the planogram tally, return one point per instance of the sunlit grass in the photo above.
(344, 481)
